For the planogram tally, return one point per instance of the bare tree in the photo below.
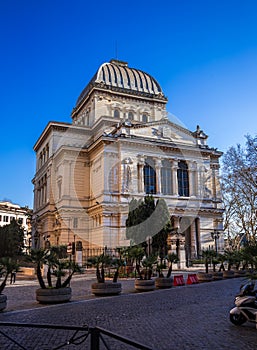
(239, 188)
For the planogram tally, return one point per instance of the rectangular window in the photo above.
(166, 180)
(183, 181)
(0, 217)
(75, 223)
(183, 185)
(20, 221)
(149, 179)
(6, 218)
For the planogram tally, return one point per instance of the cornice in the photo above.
(112, 90)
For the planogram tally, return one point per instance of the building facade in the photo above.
(10, 211)
(121, 145)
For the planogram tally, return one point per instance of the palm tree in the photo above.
(55, 267)
(207, 256)
(117, 263)
(148, 264)
(137, 253)
(39, 257)
(222, 259)
(100, 262)
(172, 258)
(7, 265)
(230, 258)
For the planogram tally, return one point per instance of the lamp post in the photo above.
(215, 235)
(149, 240)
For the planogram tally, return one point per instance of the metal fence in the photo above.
(94, 337)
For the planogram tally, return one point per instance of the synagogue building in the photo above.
(121, 145)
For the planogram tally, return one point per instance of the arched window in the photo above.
(130, 116)
(183, 183)
(166, 177)
(59, 184)
(116, 113)
(144, 118)
(149, 177)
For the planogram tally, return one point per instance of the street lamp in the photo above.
(215, 235)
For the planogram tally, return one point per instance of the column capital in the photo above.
(141, 159)
(192, 165)
(157, 162)
(174, 163)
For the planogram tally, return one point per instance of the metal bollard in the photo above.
(95, 339)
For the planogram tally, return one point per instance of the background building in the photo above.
(121, 145)
(10, 211)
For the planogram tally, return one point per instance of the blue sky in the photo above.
(202, 52)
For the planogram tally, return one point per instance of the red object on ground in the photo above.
(178, 280)
(192, 279)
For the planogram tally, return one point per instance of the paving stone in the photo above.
(187, 317)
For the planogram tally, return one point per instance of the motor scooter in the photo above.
(246, 305)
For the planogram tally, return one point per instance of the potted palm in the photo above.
(206, 276)
(215, 259)
(103, 286)
(7, 266)
(53, 289)
(166, 281)
(229, 257)
(144, 269)
(238, 259)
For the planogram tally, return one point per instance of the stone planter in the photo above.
(204, 277)
(3, 302)
(217, 275)
(106, 288)
(239, 273)
(228, 274)
(144, 285)
(53, 295)
(163, 282)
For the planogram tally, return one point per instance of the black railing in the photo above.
(79, 336)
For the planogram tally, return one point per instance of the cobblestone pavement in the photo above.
(186, 317)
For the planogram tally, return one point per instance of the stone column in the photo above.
(174, 169)
(201, 174)
(66, 177)
(193, 240)
(158, 164)
(192, 179)
(214, 167)
(48, 184)
(141, 163)
(126, 181)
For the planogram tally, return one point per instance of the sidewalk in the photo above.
(22, 294)
(191, 317)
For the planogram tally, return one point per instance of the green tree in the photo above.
(12, 240)
(147, 219)
(139, 222)
(163, 228)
